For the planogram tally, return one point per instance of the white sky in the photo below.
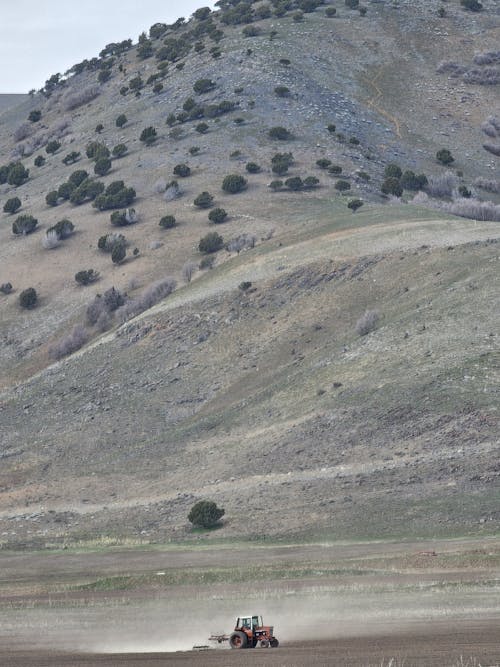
(39, 38)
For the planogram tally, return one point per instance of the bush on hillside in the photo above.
(12, 205)
(52, 147)
(280, 133)
(205, 514)
(217, 215)
(86, 276)
(203, 86)
(121, 120)
(204, 200)
(444, 156)
(367, 322)
(119, 150)
(17, 174)
(39, 161)
(28, 298)
(148, 136)
(392, 186)
(234, 183)
(168, 222)
(182, 170)
(24, 224)
(211, 242)
(102, 166)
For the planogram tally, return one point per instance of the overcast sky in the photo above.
(39, 38)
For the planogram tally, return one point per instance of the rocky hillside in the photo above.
(327, 359)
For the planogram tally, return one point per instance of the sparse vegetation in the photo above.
(234, 183)
(217, 215)
(28, 298)
(12, 205)
(444, 156)
(182, 170)
(168, 222)
(367, 322)
(52, 147)
(69, 344)
(148, 135)
(24, 224)
(211, 242)
(86, 276)
(280, 133)
(204, 200)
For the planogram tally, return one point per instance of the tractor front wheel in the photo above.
(238, 640)
(274, 643)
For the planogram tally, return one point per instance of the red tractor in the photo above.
(249, 632)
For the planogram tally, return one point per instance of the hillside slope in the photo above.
(252, 384)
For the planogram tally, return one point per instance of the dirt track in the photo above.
(472, 643)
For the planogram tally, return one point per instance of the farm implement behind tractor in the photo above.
(249, 632)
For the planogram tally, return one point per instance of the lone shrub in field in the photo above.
(86, 277)
(252, 167)
(52, 147)
(35, 115)
(167, 222)
(71, 158)
(12, 205)
(121, 120)
(282, 91)
(203, 86)
(119, 150)
(204, 200)
(28, 298)
(234, 183)
(211, 242)
(148, 136)
(205, 514)
(202, 128)
(182, 170)
(444, 156)
(52, 198)
(367, 322)
(354, 204)
(39, 161)
(280, 133)
(63, 229)
(217, 215)
(24, 224)
(342, 186)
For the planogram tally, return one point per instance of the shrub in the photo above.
(74, 100)
(121, 120)
(282, 91)
(392, 186)
(490, 185)
(168, 222)
(354, 204)
(52, 198)
(119, 150)
(78, 176)
(107, 242)
(335, 169)
(310, 182)
(352, 4)
(280, 133)
(6, 288)
(24, 224)
(411, 181)
(194, 150)
(295, 183)
(157, 88)
(172, 191)
(71, 158)
(51, 240)
(116, 195)
(102, 166)
(65, 190)
(105, 304)
(188, 270)
(471, 5)
(148, 135)
(86, 277)
(298, 16)
(202, 128)
(39, 161)
(205, 514)
(12, 205)
(182, 170)
(323, 163)
(251, 31)
(118, 253)
(241, 242)
(211, 242)
(96, 150)
(367, 322)
(234, 183)
(393, 171)
(28, 298)
(442, 185)
(99, 128)
(341, 186)
(331, 128)
(330, 12)
(123, 218)
(64, 228)
(276, 185)
(88, 189)
(52, 147)
(69, 344)
(203, 86)
(252, 167)
(17, 174)
(136, 83)
(354, 141)
(217, 215)
(444, 156)
(35, 115)
(204, 200)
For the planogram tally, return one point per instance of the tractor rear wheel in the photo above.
(238, 640)
(274, 643)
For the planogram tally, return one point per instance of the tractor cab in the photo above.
(250, 632)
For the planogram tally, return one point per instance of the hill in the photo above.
(327, 372)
